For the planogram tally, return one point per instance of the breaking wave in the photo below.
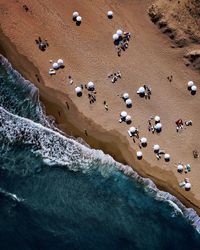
(10, 196)
(20, 96)
(56, 149)
(23, 121)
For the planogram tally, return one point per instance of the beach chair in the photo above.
(52, 72)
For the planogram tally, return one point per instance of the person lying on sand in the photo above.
(148, 92)
(114, 79)
(119, 75)
(159, 153)
(92, 98)
(188, 123)
(137, 133)
(105, 105)
(70, 80)
(195, 154)
(119, 51)
(179, 124)
(151, 128)
(127, 35)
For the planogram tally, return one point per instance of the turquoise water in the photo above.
(58, 194)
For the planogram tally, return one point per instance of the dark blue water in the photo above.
(55, 194)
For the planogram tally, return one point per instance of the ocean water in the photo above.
(58, 194)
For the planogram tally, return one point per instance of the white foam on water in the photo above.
(11, 196)
(32, 91)
(176, 208)
(56, 149)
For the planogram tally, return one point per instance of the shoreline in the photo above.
(98, 137)
(71, 129)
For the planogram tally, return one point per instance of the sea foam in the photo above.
(56, 149)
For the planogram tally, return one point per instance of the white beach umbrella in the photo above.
(90, 85)
(190, 84)
(125, 96)
(128, 102)
(141, 90)
(78, 90)
(156, 147)
(158, 126)
(110, 13)
(139, 154)
(167, 157)
(123, 114)
(115, 37)
(60, 62)
(128, 118)
(194, 88)
(143, 140)
(55, 65)
(188, 186)
(157, 118)
(180, 168)
(75, 14)
(119, 32)
(132, 130)
(78, 18)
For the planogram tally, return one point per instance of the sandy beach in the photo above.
(89, 55)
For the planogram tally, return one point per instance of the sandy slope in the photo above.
(89, 54)
(180, 20)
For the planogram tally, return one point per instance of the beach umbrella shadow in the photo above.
(78, 23)
(193, 92)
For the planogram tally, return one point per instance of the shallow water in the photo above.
(57, 194)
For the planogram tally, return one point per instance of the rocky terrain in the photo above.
(180, 20)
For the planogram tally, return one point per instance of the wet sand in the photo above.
(89, 55)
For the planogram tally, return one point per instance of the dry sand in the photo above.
(180, 20)
(89, 55)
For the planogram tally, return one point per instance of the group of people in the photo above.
(115, 76)
(123, 43)
(170, 78)
(180, 125)
(91, 94)
(153, 123)
(134, 133)
(148, 92)
(92, 97)
(159, 153)
(42, 44)
(183, 168)
(186, 183)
